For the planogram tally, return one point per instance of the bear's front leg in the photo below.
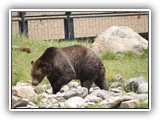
(56, 88)
(59, 83)
(54, 85)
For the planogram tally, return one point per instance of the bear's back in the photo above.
(78, 53)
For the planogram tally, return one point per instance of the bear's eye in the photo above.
(39, 71)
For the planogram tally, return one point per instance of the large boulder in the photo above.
(120, 39)
(132, 85)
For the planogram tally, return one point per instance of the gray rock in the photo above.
(143, 88)
(60, 98)
(90, 103)
(53, 100)
(49, 91)
(46, 95)
(133, 84)
(118, 77)
(102, 94)
(14, 98)
(56, 105)
(75, 102)
(112, 102)
(127, 98)
(128, 104)
(81, 92)
(39, 89)
(120, 39)
(61, 105)
(78, 97)
(45, 103)
(24, 92)
(94, 99)
(31, 105)
(141, 97)
(19, 102)
(116, 90)
(73, 84)
(115, 84)
(96, 88)
(65, 88)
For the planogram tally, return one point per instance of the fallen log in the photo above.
(23, 49)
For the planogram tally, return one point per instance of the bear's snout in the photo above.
(35, 82)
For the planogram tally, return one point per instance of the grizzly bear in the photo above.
(61, 65)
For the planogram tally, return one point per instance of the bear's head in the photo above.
(39, 70)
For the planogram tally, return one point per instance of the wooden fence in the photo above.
(75, 25)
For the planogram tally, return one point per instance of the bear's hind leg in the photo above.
(102, 83)
(86, 83)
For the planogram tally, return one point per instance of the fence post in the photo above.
(23, 24)
(68, 27)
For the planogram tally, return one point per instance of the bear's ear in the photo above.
(32, 62)
(40, 63)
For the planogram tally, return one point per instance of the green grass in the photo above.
(127, 65)
(142, 105)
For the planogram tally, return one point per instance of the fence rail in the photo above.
(75, 25)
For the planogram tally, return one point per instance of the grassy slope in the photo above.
(127, 65)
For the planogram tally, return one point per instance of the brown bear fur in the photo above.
(61, 65)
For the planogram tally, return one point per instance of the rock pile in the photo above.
(73, 95)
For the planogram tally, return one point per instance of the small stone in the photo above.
(45, 103)
(39, 89)
(61, 105)
(128, 104)
(91, 90)
(19, 103)
(127, 98)
(112, 102)
(118, 77)
(78, 87)
(115, 90)
(49, 91)
(45, 95)
(75, 102)
(100, 93)
(53, 100)
(31, 105)
(81, 92)
(115, 84)
(73, 84)
(94, 99)
(65, 88)
(91, 103)
(96, 88)
(60, 98)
